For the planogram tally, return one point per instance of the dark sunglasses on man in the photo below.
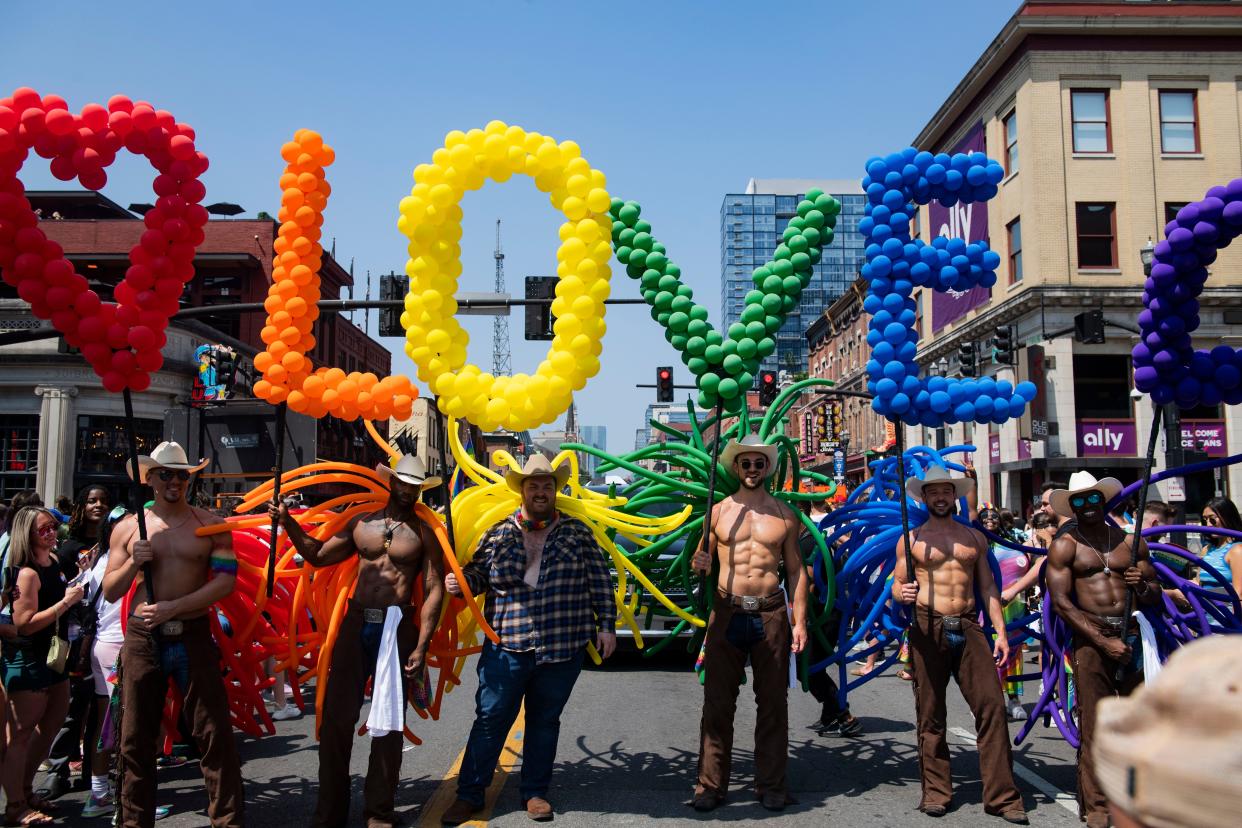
(1094, 498)
(168, 474)
(757, 465)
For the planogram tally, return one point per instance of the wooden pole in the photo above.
(282, 411)
(136, 488)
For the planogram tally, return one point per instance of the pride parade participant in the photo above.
(169, 636)
(549, 592)
(950, 560)
(752, 534)
(379, 636)
(1089, 572)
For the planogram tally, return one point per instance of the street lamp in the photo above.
(1146, 254)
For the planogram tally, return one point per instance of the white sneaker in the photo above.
(1016, 711)
(284, 714)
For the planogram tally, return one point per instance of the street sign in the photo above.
(838, 463)
(1177, 492)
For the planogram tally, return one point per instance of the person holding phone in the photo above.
(33, 664)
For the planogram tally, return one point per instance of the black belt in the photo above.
(753, 603)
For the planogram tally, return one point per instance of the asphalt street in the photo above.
(627, 756)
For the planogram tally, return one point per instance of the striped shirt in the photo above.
(572, 599)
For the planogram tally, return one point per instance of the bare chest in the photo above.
(740, 524)
(396, 541)
(178, 545)
(946, 554)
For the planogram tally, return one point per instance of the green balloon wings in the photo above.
(724, 365)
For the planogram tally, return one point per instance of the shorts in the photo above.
(22, 671)
(103, 666)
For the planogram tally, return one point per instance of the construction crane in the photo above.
(502, 363)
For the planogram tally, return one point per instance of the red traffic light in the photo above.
(769, 377)
(665, 374)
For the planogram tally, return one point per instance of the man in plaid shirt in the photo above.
(549, 593)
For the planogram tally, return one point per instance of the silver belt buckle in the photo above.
(172, 628)
(373, 616)
(952, 623)
(750, 603)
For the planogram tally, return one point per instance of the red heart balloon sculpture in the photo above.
(122, 340)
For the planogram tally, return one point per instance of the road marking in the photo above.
(446, 794)
(1029, 776)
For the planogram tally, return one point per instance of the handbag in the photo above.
(57, 654)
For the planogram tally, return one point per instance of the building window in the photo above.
(1171, 209)
(1097, 235)
(1089, 112)
(19, 453)
(1011, 141)
(1015, 250)
(1179, 122)
(103, 448)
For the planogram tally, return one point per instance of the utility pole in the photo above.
(501, 363)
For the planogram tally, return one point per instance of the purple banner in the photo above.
(993, 449)
(961, 221)
(1024, 448)
(1098, 438)
(1205, 435)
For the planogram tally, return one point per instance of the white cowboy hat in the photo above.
(537, 466)
(750, 444)
(1163, 755)
(167, 455)
(409, 469)
(962, 486)
(1079, 482)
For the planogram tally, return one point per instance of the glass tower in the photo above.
(750, 225)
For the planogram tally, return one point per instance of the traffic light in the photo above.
(821, 421)
(1089, 327)
(834, 430)
(664, 384)
(968, 359)
(1004, 351)
(392, 288)
(539, 316)
(767, 388)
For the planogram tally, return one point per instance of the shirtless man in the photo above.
(752, 534)
(169, 636)
(1089, 573)
(395, 548)
(950, 559)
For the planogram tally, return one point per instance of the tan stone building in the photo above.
(1108, 117)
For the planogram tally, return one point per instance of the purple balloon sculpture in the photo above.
(1165, 364)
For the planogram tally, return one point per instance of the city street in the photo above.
(628, 750)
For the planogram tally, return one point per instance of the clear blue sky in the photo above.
(677, 102)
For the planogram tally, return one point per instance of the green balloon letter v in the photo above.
(724, 367)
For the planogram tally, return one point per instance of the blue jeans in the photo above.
(505, 679)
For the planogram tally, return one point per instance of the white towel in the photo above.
(387, 706)
(1151, 655)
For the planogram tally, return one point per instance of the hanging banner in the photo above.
(961, 221)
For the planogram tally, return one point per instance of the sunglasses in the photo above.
(169, 474)
(1213, 520)
(757, 465)
(48, 529)
(1094, 498)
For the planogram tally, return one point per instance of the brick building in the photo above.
(1108, 117)
(59, 429)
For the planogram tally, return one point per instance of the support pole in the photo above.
(448, 495)
(905, 514)
(282, 411)
(1157, 415)
(136, 487)
(711, 502)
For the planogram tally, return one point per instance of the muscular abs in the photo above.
(182, 562)
(386, 576)
(749, 544)
(944, 566)
(1099, 592)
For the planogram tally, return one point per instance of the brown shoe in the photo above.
(539, 809)
(460, 811)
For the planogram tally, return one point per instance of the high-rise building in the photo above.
(596, 436)
(751, 224)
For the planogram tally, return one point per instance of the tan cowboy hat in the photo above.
(962, 486)
(537, 466)
(1168, 755)
(750, 444)
(409, 469)
(167, 455)
(1079, 482)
